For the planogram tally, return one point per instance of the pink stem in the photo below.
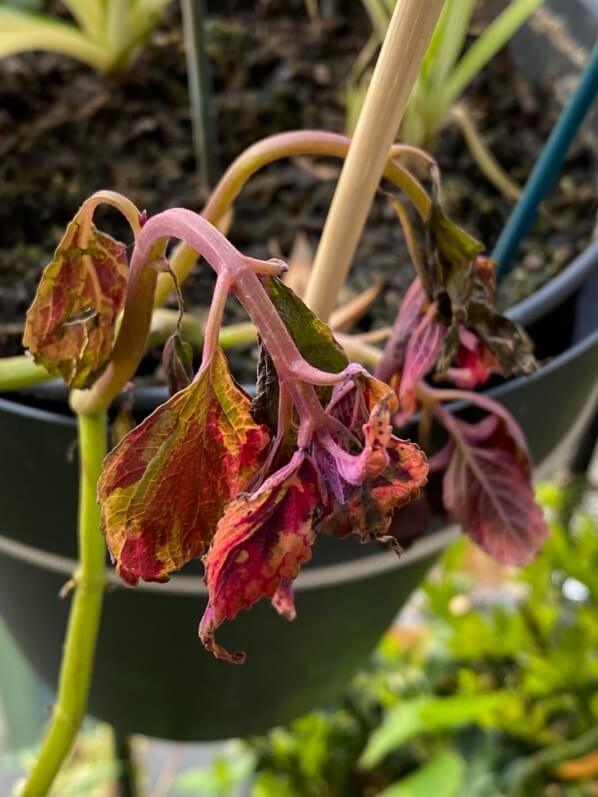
(225, 259)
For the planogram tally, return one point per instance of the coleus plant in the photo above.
(247, 483)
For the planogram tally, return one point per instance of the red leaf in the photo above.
(70, 324)
(164, 487)
(410, 313)
(474, 362)
(260, 543)
(487, 489)
(369, 507)
(421, 354)
(385, 474)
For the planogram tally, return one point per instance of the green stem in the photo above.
(164, 324)
(84, 618)
(18, 372)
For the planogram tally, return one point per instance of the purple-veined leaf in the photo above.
(487, 489)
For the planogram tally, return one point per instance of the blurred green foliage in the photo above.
(495, 696)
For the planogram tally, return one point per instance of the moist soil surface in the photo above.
(66, 132)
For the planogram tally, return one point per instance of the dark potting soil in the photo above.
(66, 132)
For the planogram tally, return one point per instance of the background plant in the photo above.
(105, 34)
(445, 73)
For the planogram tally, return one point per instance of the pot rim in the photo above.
(318, 577)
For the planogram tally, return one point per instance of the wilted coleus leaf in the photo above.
(473, 363)
(385, 475)
(369, 507)
(348, 480)
(462, 285)
(413, 348)
(507, 342)
(450, 258)
(164, 487)
(447, 322)
(410, 313)
(312, 336)
(70, 325)
(487, 488)
(260, 543)
(421, 354)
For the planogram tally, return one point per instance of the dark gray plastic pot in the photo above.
(152, 675)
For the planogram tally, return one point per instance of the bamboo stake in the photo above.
(406, 42)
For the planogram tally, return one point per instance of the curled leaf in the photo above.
(410, 313)
(448, 320)
(70, 324)
(386, 474)
(177, 362)
(413, 348)
(164, 487)
(421, 353)
(451, 256)
(487, 489)
(260, 543)
(464, 291)
(474, 363)
(369, 507)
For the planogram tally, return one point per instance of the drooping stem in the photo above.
(303, 142)
(132, 335)
(224, 258)
(269, 150)
(433, 398)
(408, 35)
(84, 618)
(129, 210)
